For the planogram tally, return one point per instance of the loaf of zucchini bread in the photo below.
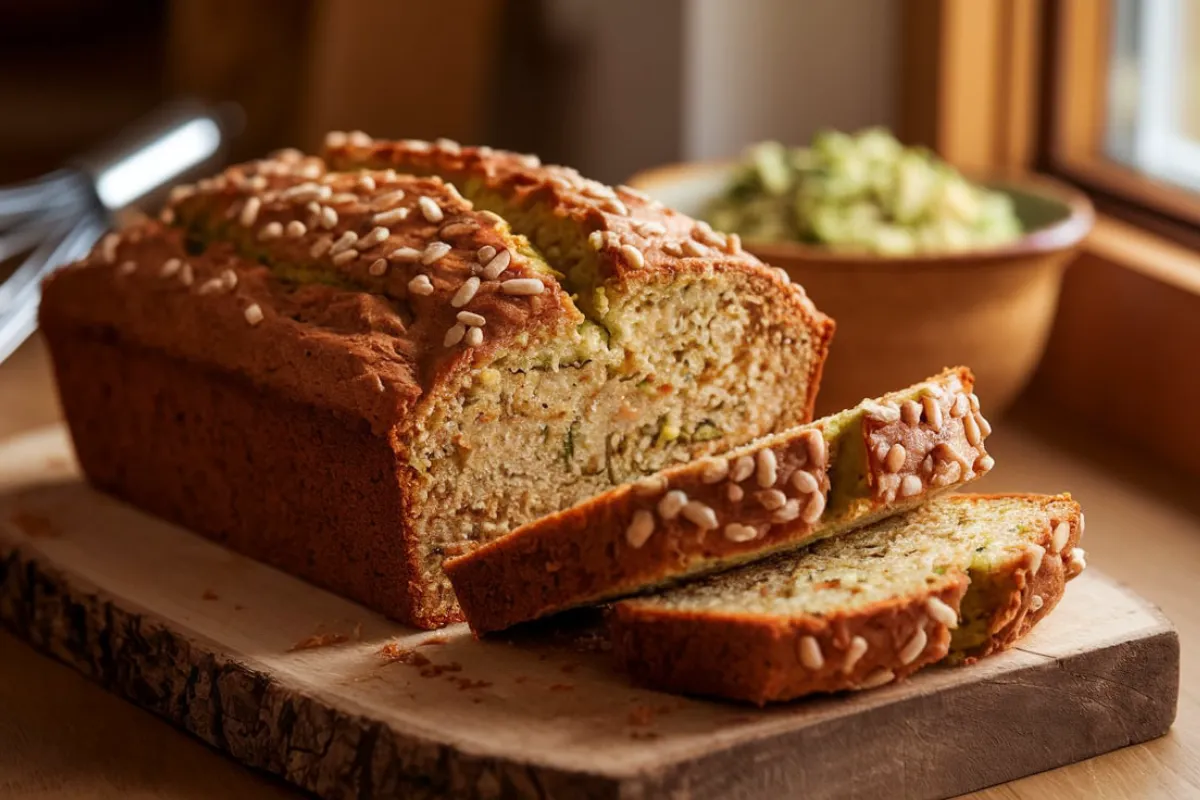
(777, 493)
(954, 580)
(353, 368)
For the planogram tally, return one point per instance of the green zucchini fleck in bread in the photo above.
(953, 580)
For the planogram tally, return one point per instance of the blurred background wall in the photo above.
(609, 86)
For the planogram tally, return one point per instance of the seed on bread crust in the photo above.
(878, 678)
(942, 613)
(933, 412)
(741, 469)
(671, 504)
(914, 647)
(771, 499)
(700, 515)
(737, 532)
(804, 482)
(1060, 536)
(1036, 602)
(1077, 563)
(714, 470)
(1038, 553)
(810, 653)
(815, 508)
(854, 653)
(895, 457)
(640, 528)
(910, 485)
(790, 510)
(766, 466)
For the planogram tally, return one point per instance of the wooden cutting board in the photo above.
(293, 680)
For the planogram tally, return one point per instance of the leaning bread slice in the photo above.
(955, 579)
(777, 493)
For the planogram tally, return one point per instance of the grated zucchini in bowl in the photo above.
(860, 192)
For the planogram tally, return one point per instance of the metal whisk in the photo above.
(56, 219)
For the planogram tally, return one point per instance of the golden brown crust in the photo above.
(626, 540)
(637, 239)
(748, 656)
(763, 659)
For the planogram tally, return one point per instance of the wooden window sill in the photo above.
(1124, 353)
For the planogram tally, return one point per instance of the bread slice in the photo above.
(777, 493)
(953, 580)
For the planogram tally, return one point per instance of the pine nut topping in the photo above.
(454, 335)
(737, 532)
(814, 509)
(457, 229)
(434, 251)
(167, 216)
(640, 528)
(1078, 562)
(650, 229)
(378, 267)
(1062, 533)
(814, 441)
(790, 510)
(345, 257)
(320, 247)
(389, 199)
(650, 486)
(497, 264)
(878, 678)
(471, 318)
(474, 337)
(127, 268)
(430, 209)
(1036, 602)
(304, 192)
(973, 399)
(766, 468)
(376, 236)
(895, 458)
(700, 515)
(250, 211)
(960, 406)
(854, 653)
(347, 240)
(810, 653)
(971, 429)
(272, 230)
(694, 248)
(714, 470)
(420, 285)
(390, 217)
(409, 255)
(170, 267)
(633, 256)
(671, 504)
(366, 183)
(741, 469)
(253, 313)
(735, 493)
(984, 426)
(1038, 554)
(522, 286)
(804, 482)
(910, 413)
(933, 411)
(941, 612)
(672, 249)
(771, 499)
(485, 254)
(108, 247)
(186, 276)
(295, 229)
(329, 218)
(465, 292)
(914, 647)
(910, 485)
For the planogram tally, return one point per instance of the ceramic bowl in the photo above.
(903, 318)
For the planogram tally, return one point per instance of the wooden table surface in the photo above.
(62, 737)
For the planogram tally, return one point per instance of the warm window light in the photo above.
(158, 163)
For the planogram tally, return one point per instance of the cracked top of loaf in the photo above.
(364, 280)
